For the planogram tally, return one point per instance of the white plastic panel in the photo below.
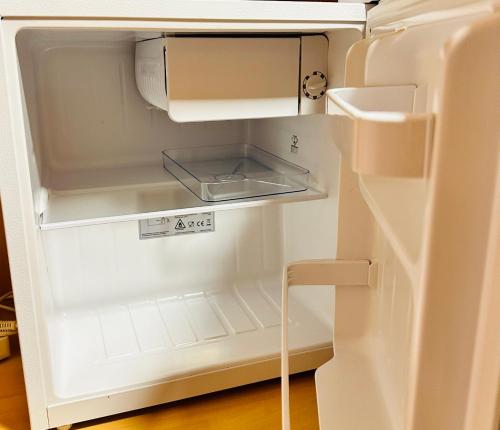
(398, 205)
(348, 394)
(118, 320)
(215, 78)
(206, 322)
(175, 319)
(313, 74)
(395, 301)
(263, 310)
(230, 308)
(146, 318)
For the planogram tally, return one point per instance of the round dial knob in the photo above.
(314, 85)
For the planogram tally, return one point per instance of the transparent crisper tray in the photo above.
(228, 172)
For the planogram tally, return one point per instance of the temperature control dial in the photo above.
(314, 85)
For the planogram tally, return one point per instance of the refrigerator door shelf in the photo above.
(388, 138)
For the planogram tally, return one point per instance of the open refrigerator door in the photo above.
(156, 181)
(418, 132)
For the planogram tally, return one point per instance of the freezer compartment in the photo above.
(231, 172)
(227, 76)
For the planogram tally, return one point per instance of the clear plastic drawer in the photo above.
(228, 172)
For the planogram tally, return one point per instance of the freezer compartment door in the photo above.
(209, 78)
(217, 78)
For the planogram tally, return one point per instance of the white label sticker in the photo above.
(174, 225)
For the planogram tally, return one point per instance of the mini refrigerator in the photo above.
(204, 194)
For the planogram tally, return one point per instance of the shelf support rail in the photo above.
(312, 272)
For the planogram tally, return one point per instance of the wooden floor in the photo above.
(254, 407)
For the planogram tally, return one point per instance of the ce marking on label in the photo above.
(200, 224)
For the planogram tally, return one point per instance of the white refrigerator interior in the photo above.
(161, 165)
(130, 310)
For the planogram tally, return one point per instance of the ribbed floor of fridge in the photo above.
(164, 338)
